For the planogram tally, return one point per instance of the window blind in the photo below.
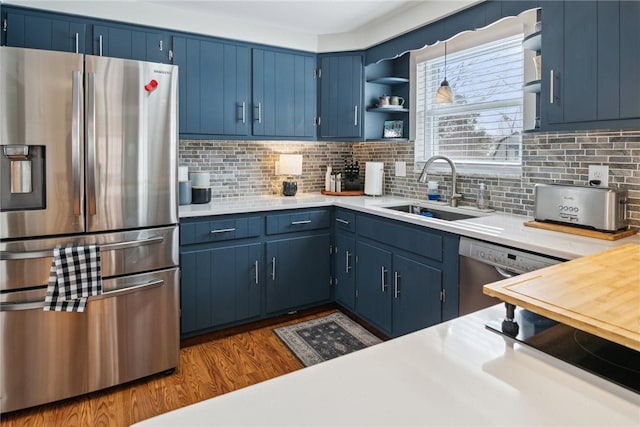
(484, 123)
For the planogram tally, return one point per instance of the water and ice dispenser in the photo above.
(22, 183)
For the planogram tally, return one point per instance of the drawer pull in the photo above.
(308, 221)
(342, 221)
(223, 230)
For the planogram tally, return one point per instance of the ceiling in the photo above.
(316, 17)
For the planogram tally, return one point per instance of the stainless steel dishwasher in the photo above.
(483, 262)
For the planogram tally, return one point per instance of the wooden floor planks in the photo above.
(210, 365)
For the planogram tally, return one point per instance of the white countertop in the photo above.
(495, 227)
(454, 373)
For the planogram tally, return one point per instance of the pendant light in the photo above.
(444, 94)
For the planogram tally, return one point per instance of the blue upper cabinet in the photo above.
(340, 89)
(215, 87)
(129, 43)
(284, 94)
(40, 31)
(590, 64)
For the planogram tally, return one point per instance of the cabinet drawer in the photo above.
(298, 221)
(413, 239)
(215, 230)
(345, 220)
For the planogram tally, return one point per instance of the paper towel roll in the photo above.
(183, 173)
(374, 178)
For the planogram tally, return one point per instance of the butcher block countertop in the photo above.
(599, 294)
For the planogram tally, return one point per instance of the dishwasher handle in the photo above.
(504, 273)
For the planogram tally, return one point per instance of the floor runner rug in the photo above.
(325, 338)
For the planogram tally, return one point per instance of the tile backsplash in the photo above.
(247, 168)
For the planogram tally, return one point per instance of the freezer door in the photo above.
(129, 332)
(26, 263)
(41, 107)
(131, 137)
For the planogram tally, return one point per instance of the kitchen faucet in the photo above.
(423, 176)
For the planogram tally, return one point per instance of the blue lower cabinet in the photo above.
(219, 286)
(401, 284)
(344, 270)
(298, 272)
(416, 295)
(373, 273)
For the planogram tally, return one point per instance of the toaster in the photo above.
(599, 208)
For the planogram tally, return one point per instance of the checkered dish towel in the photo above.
(74, 275)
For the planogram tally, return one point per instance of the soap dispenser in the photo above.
(481, 201)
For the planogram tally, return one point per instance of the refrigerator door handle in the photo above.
(19, 306)
(76, 140)
(129, 289)
(128, 244)
(91, 142)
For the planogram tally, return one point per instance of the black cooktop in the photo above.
(609, 360)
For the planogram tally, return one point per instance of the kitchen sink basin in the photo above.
(430, 212)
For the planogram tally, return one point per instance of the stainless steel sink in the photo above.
(430, 212)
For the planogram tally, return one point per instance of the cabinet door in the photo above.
(341, 87)
(130, 43)
(219, 286)
(416, 295)
(629, 59)
(119, 42)
(345, 273)
(298, 271)
(37, 32)
(373, 271)
(215, 87)
(284, 94)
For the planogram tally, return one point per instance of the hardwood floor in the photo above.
(210, 365)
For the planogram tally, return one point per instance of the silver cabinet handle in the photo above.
(91, 142)
(355, 115)
(244, 112)
(383, 272)
(551, 86)
(273, 268)
(222, 230)
(346, 262)
(307, 221)
(100, 45)
(127, 244)
(259, 107)
(256, 267)
(77, 40)
(160, 45)
(342, 221)
(396, 285)
(76, 123)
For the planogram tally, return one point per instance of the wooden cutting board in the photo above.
(599, 293)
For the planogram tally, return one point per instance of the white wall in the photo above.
(138, 12)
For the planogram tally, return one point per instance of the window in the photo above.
(482, 129)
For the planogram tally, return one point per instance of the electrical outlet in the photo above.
(401, 169)
(599, 173)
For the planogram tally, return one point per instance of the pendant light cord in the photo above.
(445, 60)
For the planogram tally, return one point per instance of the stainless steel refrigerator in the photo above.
(88, 155)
